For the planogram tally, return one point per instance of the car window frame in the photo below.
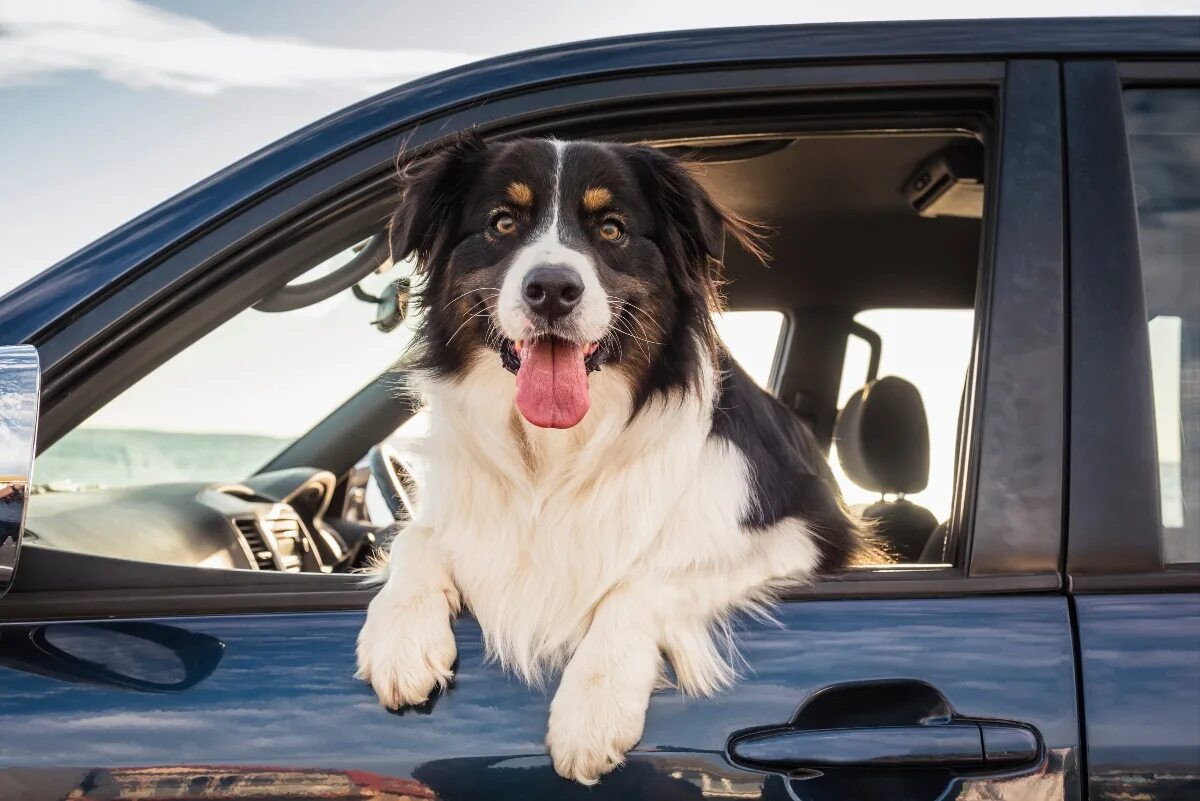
(1114, 449)
(336, 205)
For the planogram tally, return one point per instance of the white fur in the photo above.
(590, 319)
(592, 550)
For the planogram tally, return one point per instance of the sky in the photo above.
(111, 106)
(108, 107)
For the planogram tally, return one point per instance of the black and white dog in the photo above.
(605, 485)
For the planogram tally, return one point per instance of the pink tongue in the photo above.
(552, 388)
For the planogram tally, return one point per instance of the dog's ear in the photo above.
(431, 191)
(694, 225)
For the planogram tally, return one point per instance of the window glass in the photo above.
(225, 405)
(753, 339)
(1164, 141)
(931, 349)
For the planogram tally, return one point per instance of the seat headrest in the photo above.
(883, 437)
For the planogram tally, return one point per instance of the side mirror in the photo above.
(19, 391)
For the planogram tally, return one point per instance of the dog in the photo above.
(605, 486)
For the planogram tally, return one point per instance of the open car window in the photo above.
(221, 408)
(263, 386)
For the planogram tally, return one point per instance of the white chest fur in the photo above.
(596, 550)
(539, 525)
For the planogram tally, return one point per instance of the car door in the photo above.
(1134, 143)
(957, 680)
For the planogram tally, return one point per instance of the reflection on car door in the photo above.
(1134, 529)
(278, 711)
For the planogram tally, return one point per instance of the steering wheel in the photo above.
(395, 480)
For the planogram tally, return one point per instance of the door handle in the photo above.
(885, 724)
(950, 744)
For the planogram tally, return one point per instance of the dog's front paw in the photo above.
(406, 648)
(594, 722)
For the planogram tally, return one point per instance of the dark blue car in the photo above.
(1000, 220)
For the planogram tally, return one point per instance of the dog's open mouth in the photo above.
(552, 385)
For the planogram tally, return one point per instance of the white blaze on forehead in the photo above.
(591, 317)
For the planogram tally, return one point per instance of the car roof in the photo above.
(37, 304)
(842, 233)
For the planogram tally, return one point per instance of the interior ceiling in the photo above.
(844, 233)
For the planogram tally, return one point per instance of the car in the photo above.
(984, 298)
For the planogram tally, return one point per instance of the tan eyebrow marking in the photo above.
(520, 193)
(596, 198)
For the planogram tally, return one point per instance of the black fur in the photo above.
(427, 224)
(791, 477)
(689, 232)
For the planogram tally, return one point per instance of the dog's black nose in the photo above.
(552, 291)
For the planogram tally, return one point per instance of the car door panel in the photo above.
(281, 708)
(1137, 609)
(1140, 668)
(278, 713)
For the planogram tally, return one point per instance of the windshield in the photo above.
(221, 408)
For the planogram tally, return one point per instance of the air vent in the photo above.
(290, 543)
(255, 544)
(283, 526)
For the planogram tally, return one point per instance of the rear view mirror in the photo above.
(391, 307)
(19, 388)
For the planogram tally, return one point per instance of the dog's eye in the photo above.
(611, 231)
(504, 224)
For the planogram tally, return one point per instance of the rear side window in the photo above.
(752, 338)
(930, 349)
(1164, 142)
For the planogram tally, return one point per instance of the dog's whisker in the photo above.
(484, 300)
(647, 334)
(619, 317)
(475, 308)
(645, 314)
(464, 323)
(612, 340)
(632, 335)
(468, 292)
(635, 311)
(493, 335)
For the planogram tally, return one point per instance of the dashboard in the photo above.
(277, 521)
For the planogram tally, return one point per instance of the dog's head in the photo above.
(558, 259)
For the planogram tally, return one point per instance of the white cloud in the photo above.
(139, 46)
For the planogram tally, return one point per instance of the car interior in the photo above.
(865, 215)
